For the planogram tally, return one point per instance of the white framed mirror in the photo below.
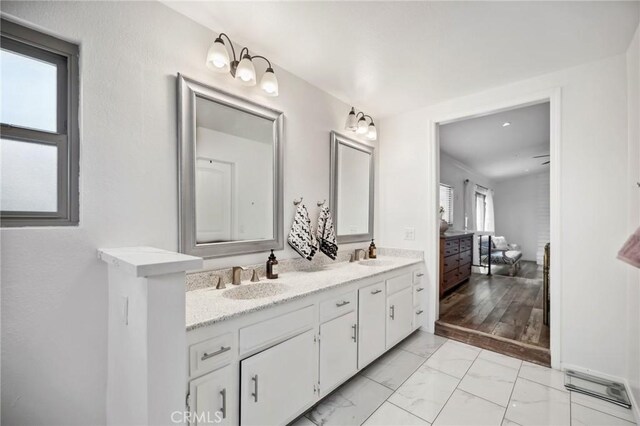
(352, 188)
(230, 174)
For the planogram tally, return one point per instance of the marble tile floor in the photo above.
(428, 379)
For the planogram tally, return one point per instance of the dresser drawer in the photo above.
(450, 263)
(464, 258)
(211, 354)
(466, 244)
(450, 278)
(396, 284)
(337, 306)
(464, 271)
(451, 247)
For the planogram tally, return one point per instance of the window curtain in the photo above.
(469, 206)
(489, 218)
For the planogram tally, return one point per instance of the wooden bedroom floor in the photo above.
(499, 313)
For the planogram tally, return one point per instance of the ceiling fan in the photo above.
(542, 156)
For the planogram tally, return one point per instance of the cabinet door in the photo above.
(399, 316)
(338, 351)
(371, 323)
(277, 384)
(214, 398)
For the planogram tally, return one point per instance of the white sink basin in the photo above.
(375, 262)
(255, 291)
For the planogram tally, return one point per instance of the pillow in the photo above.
(500, 243)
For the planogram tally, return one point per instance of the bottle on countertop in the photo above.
(272, 267)
(373, 251)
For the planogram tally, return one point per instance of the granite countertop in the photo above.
(207, 306)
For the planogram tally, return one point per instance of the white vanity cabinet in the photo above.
(276, 383)
(399, 308)
(212, 397)
(338, 351)
(271, 365)
(371, 322)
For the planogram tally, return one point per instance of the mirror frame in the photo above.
(188, 89)
(336, 140)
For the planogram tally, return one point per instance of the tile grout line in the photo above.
(407, 411)
(408, 377)
(504, 416)
(456, 388)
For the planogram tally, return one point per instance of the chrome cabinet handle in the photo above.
(419, 312)
(344, 302)
(393, 312)
(223, 409)
(419, 289)
(255, 388)
(206, 356)
(420, 275)
(355, 333)
(376, 291)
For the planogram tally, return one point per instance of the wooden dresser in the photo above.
(455, 259)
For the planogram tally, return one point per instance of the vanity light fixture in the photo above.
(244, 71)
(357, 122)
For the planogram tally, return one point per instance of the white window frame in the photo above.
(448, 214)
(34, 44)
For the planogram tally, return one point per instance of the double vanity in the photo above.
(263, 353)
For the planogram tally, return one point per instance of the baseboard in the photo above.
(634, 403)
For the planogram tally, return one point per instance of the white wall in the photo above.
(633, 275)
(593, 177)
(54, 294)
(521, 213)
(453, 173)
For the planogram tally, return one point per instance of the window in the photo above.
(39, 128)
(480, 210)
(446, 202)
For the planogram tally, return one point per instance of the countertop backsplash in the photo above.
(204, 279)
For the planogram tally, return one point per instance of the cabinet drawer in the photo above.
(451, 247)
(450, 263)
(337, 306)
(419, 316)
(464, 271)
(418, 294)
(450, 278)
(276, 329)
(418, 276)
(396, 284)
(466, 244)
(464, 258)
(211, 354)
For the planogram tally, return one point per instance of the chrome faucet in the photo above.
(236, 275)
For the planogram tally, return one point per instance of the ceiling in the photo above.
(499, 152)
(388, 57)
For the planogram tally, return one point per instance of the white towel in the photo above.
(301, 238)
(326, 234)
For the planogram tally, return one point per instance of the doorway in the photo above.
(495, 200)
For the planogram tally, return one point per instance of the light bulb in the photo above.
(372, 133)
(246, 72)
(269, 82)
(362, 126)
(218, 57)
(352, 122)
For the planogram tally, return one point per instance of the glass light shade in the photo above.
(362, 126)
(352, 122)
(246, 72)
(218, 57)
(372, 133)
(269, 82)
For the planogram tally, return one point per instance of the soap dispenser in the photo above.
(272, 267)
(373, 251)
